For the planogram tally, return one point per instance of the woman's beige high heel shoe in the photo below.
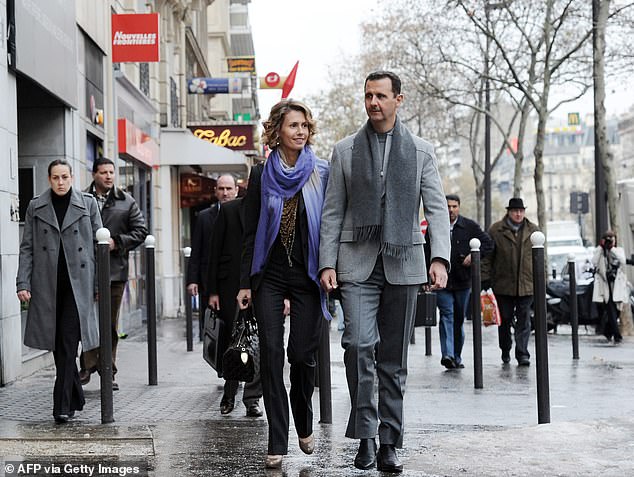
(307, 444)
(273, 462)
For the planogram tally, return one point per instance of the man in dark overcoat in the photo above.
(197, 279)
(224, 284)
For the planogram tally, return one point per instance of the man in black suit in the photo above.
(454, 299)
(223, 286)
(197, 279)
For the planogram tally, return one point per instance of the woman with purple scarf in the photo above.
(280, 260)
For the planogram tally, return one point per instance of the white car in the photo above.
(558, 259)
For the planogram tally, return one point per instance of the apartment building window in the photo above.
(239, 19)
(144, 78)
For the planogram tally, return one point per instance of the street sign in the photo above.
(579, 203)
(574, 119)
(214, 85)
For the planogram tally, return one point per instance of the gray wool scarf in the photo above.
(391, 225)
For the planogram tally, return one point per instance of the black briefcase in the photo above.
(212, 352)
(425, 308)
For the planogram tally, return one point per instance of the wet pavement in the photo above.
(176, 429)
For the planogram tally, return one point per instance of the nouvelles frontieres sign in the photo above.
(135, 38)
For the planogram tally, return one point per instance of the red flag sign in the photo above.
(290, 82)
(135, 38)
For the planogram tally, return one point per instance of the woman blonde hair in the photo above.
(272, 126)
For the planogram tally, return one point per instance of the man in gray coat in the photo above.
(372, 246)
(123, 218)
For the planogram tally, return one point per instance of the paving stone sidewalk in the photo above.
(176, 428)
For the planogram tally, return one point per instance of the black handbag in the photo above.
(425, 308)
(241, 360)
(212, 352)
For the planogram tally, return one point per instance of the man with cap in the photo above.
(509, 270)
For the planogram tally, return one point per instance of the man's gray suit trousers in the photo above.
(378, 325)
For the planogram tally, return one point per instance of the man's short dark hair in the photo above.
(100, 162)
(453, 197)
(377, 75)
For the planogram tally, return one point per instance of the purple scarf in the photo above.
(310, 175)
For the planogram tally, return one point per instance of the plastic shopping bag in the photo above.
(490, 311)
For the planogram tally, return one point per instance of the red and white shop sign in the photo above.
(135, 144)
(135, 38)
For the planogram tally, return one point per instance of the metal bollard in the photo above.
(541, 329)
(150, 280)
(187, 251)
(325, 383)
(476, 315)
(574, 312)
(105, 324)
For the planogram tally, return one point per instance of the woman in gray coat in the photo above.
(56, 275)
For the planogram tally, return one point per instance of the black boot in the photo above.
(387, 460)
(366, 456)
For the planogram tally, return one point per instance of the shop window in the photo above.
(94, 150)
(126, 176)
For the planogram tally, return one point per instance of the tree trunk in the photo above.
(476, 167)
(600, 123)
(519, 153)
(538, 153)
(542, 114)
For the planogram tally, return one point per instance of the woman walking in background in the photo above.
(56, 276)
(280, 260)
(610, 283)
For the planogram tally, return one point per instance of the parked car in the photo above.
(564, 238)
(558, 260)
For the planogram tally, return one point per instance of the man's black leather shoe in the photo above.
(226, 407)
(448, 362)
(253, 410)
(387, 460)
(366, 456)
(62, 418)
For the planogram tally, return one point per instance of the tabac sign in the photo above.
(231, 136)
(135, 38)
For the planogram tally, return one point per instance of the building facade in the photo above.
(63, 97)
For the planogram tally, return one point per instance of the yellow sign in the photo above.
(224, 139)
(574, 119)
(241, 64)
